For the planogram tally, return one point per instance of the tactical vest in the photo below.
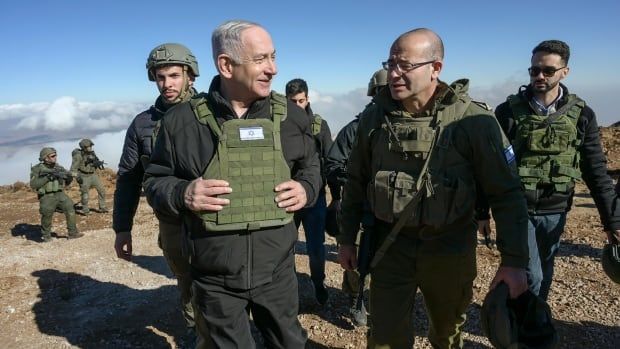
(546, 146)
(249, 157)
(49, 187)
(316, 124)
(83, 166)
(415, 159)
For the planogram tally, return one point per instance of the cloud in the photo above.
(18, 160)
(68, 114)
(338, 109)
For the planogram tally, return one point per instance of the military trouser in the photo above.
(48, 203)
(273, 306)
(170, 240)
(445, 281)
(90, 180)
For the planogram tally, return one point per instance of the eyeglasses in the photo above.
(546, 71)
(259, 60)
(403, 67)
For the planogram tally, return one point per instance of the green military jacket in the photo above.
(43, 180)
(465, 148)
(80, 161)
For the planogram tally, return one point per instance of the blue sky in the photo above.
(72, 68)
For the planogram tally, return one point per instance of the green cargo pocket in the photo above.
(380, 194)
(404, 191)
(548, 141)
(451, 200)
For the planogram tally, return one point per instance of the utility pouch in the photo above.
(450, 200)
(390, 193)
(548, 141)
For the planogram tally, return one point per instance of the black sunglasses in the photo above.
(546, 71)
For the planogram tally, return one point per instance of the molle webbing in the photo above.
(249, 157)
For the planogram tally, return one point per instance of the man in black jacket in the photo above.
(173, 68)
(556, 141)
(209, 154)
(313, 218)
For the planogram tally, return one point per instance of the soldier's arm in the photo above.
(76, 158)
(358, 176)
(336, 162)
(37, 179)
(128, 182)
(495, 172)
(593, 167)
(164, 191)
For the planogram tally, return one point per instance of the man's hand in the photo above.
(347, 256)
(122, 245)
(291, 196)
(202, 194)
(515, 278)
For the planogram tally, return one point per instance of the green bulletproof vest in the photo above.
(316, 124)
(50, 186)
(546, 146)
(417, 163)
(84, 166)
(249, 157)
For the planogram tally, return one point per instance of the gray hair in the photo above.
(226, 39)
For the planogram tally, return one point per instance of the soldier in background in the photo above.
(49, 179)
(336, 172)
(84, 166)
(313, 218)
(173, 68)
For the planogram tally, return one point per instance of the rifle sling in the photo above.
(409, 209)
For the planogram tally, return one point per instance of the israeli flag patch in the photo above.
(509, 153)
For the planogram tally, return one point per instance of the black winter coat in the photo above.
(183, 150)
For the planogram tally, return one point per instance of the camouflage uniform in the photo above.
(83, 167)
(51, 196)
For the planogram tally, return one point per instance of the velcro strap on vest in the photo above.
(567, 171)
(531, 172)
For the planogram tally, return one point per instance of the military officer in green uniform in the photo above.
(84, 166)
(421, 151)
(48, 179)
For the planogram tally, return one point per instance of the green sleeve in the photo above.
(36, 180)
(358, 177)
(495, 171)
(76, 159)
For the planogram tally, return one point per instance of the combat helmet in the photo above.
(45, 152)
(611, 261)
(86, 143)
(378, 79)
(170, 53)
(524, 322)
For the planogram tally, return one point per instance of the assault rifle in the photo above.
(94, 160)
(56, 174)
(365, 255)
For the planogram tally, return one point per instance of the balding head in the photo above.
(427, 42)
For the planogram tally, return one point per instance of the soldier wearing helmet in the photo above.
(84, 166)
(174, 69)
(49, 179)
(336, 171)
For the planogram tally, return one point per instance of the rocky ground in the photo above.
(77, 294)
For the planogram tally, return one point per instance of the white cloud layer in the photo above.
(26, 128)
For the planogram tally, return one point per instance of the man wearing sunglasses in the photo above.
(556, 141)
(420, 153)
(49, 179)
